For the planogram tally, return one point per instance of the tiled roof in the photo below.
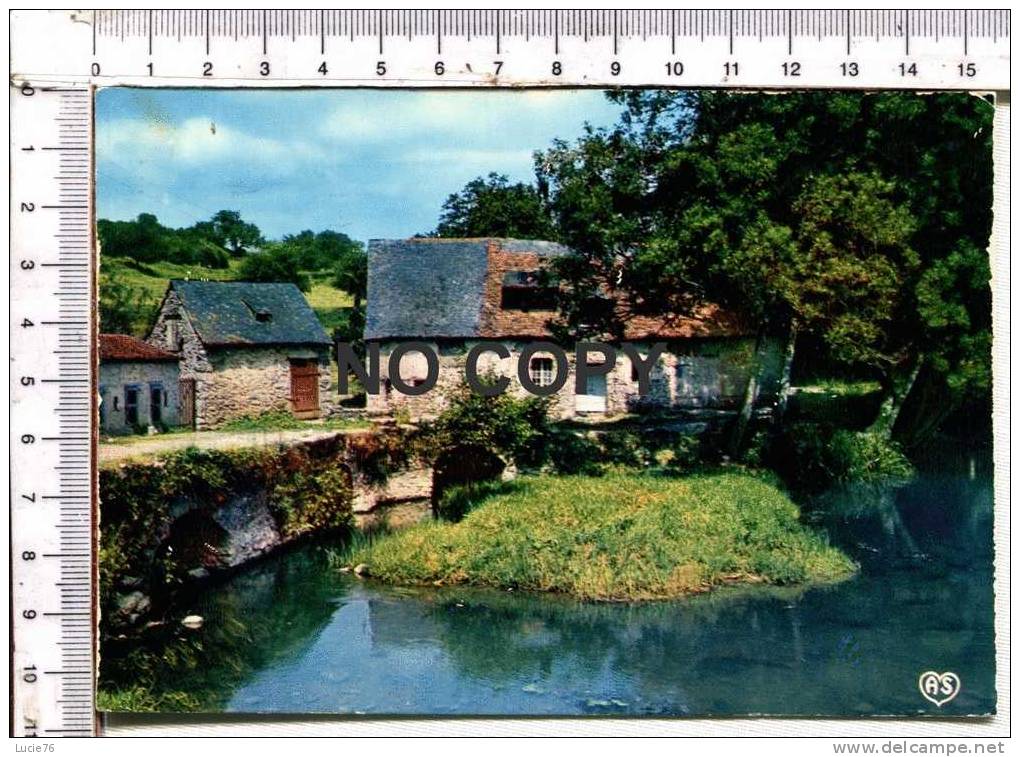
(227, 313)
(121, 347)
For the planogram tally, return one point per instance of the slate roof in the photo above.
(124, 348)
(431, 288)
(243, 313)
(434, 288)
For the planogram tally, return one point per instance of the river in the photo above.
(292, 635)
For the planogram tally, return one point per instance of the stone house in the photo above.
(138, 385)
(245, 349)
(455, 293)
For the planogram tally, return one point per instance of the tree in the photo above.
(122, 309)
(230, 231)
(275, 263)
(320, 251)
(854, 217)
(493, 207)
(351, 274)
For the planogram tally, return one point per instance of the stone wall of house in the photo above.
(249, 381)
(172, 317)
(114, 377)
(693, 374)
(231, 382)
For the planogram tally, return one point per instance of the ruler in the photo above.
(59, 57)
(51, 410)
(913, 49)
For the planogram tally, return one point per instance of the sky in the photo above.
(369, 163)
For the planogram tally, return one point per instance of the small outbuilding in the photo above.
(245, 349)
(138, 385)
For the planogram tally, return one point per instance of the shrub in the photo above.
(813, 457)
(512, 428)
(685, 452)
(569, 452)
(624, 447)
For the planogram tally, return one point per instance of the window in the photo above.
(131, 405)
(540, 369)
(157, 399)
(528, 290)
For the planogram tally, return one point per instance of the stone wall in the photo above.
(248, 381)
(231, 382)
(115, 377)
(252, 511)
(173, 332)
(693, 374)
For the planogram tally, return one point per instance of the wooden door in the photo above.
(187, 399)
(304, 385)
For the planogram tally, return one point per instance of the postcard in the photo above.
(564, 402)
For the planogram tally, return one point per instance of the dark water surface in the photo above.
(293, 636)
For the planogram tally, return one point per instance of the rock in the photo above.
(129, 582)
(132, 605)
(361, 569)
(193, 621)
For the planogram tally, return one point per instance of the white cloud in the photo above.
(195, 140)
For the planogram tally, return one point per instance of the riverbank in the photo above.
(618, 537)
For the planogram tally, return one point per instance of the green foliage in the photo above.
(275, 263)
(284, 421)
(493, 207)
(314, 501)
(569, 453)
(685, 452)
(308, 490)
(145, 699)
(861, 218)
(503, 425)
(624, 447)
(458, 501)
(616, 537)
(123, 307)
(227, 229)
(206, 243)
(814, 457)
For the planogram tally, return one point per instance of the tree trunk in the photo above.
(747, 405)
(784, 377)
(895, 393)
(926, 405)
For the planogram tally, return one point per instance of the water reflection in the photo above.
(294, 636)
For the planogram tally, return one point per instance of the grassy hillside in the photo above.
(623, 536)
(151, 279)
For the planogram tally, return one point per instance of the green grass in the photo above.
(327, 301)
(622, 536)
(284, 421)
(143, 699)
(840, 387)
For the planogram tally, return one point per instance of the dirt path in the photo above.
(149, 446)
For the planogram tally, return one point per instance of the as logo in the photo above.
(939, 688)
